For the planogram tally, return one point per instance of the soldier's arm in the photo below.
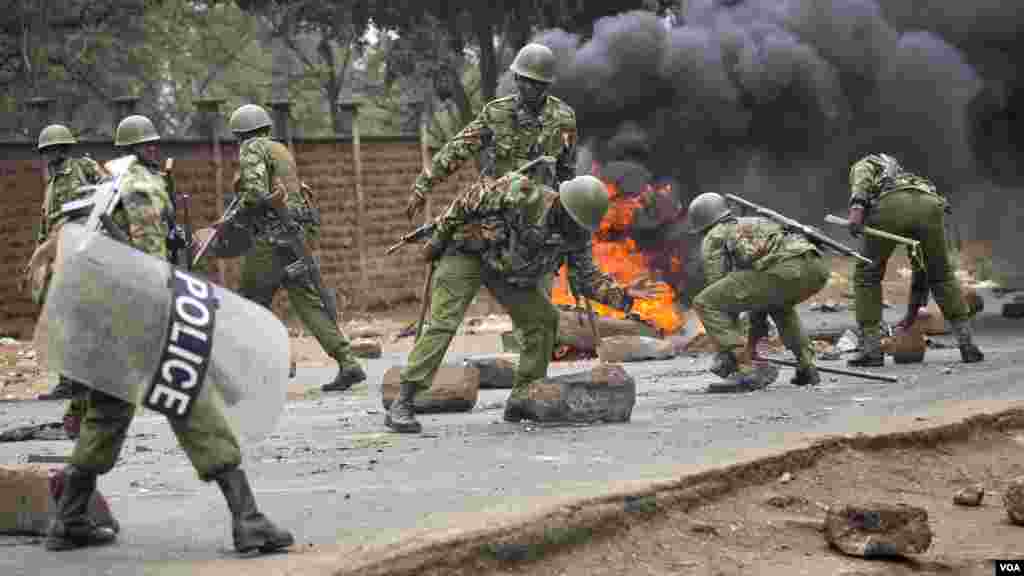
(565, 167)
(594, 284)
(463, 146)
(253, 186)
(863, 179)
(715, 258)
(92, 170)
(143, 210)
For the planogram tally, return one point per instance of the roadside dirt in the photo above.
(775, 530)
(773, 525)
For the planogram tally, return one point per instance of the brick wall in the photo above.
(389, 166)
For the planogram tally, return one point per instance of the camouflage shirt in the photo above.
(265, 164)
(748, 244)
(63, 187)
(514, 137)
(876, 175)
(510, 222)
(145, 208)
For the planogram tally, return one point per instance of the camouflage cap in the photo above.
(535, 61)
(585, 198)
(133, 130)
(705, 211)
(55, 134)
(248, 118)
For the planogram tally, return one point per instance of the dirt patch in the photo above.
(766, 517)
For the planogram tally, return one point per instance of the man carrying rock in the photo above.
(265, 167)
(508, 234)
(885, 196)
(754, 265)
(67, 176)
(141, 218)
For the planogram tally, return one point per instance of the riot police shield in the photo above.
(135, 327)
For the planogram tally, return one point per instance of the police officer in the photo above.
(753, 265)
(67, 176)
(264, 165)
(204, 435)
(509, 234)
(886, 196)
(510, 131)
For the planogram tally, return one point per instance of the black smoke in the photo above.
(774, 99)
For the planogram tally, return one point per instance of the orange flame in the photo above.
(617, 255)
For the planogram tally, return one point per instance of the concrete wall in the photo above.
(389, 167)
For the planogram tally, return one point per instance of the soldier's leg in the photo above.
(456, 282)
(213, 449)
(942, 282)
(719, 306)
(262, 274)
(101, 437)
(308, 305)
(867, 280)
(798, 279)
(536, 320)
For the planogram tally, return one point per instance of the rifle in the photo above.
(179, 240)
(812, 233)
(305, 264)
(913, 246)
(426, 230)
(218, 228)
(840, 371)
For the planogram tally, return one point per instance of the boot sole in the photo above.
(266, 547)
(403, 428)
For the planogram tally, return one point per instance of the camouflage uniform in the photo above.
(902, 203)
(509, 136)
(62, 187)
(264, 165)
(505, 234)
(205, 436)
(753, 264)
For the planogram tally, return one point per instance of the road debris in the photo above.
(878, 530)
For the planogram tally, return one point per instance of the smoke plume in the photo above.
(774, 99)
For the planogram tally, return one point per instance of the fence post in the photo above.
(209, 108)
(350, 108)
(282, 110)
(123, 106)
(40, 118)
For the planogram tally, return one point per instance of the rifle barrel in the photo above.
(866, 375)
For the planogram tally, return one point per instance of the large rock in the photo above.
(605, 394)
(28, 499)
(455, 389)
(634, 349)
(1013, 500)
(908, 345)
(937, 323)
(574, 329)
(878, 530)
(495, 373)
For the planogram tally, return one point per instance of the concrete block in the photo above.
(455, 389)
(605, 394)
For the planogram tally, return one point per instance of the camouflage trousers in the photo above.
(914, 215)
(263, 274)
(774, 291)
(457, 280)
(205, 436)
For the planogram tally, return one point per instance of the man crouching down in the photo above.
(509, 234)
(753, 265)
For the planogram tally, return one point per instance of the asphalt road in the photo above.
(333, 475)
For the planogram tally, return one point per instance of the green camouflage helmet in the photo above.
(248, 118)
(133, 130)
(535, 61)
(585, 199)
(55, 134)
(705, 211)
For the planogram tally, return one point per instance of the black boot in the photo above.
(72, 528)
(806, 376)
(969, 351)
(870, 351)
(724, 364)
(515, 405)
(250, 529)
(401, 415)
(64, 389)
(346, 378)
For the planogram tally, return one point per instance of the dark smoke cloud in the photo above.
(773, 99)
